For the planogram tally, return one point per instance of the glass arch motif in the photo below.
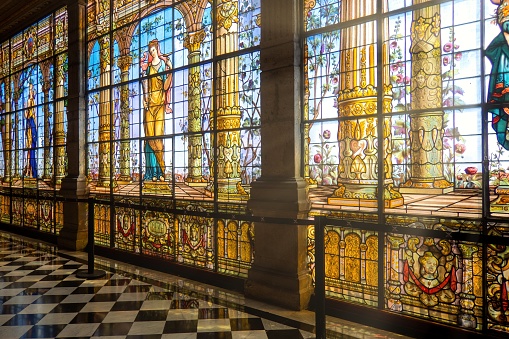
(405, 128)
(33, 123)
(174, 122)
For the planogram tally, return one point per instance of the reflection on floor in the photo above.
(464, 203)
(40, 297)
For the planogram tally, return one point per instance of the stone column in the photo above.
(7, 134)
(74, 233)
(279, 273)
(104, 115)
(46, 87)
(359, 116)
(426, 127)
(124, 63)
(58, 123)
(193, 42)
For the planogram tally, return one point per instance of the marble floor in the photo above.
(41, 297)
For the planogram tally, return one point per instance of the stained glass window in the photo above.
(405, 127)
(174, 113)
(33, 94)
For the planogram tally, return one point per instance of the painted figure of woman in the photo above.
(156, 102)
(498, 91)
(30, 134)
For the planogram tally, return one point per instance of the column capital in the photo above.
(193, 40)
(124, 62)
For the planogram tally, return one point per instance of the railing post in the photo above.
(320, 277)
(91, 273)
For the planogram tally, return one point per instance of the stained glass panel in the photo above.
(170, 130)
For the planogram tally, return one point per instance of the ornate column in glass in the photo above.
(279, 273)
(228, 109)
(74, 188)
(59, 154)
(6, 133)
(124, 63)
(15, 173)
(104, 115)
(193, 43)
(470, 310)
(359, 141)
(46, 87)
(394, 270)
(426, 125)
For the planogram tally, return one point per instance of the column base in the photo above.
(71, 240)
(364, 196)
(124, 180)
(157, 186)
(434, 186)
(292, 292)
(30, 182)
(501, 202)
(74, 235)
(106, 184)
(196, 182)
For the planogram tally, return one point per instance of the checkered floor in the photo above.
(41, 297)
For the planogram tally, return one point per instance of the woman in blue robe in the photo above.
(498, 92)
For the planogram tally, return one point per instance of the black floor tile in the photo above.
(127, 305)
(24, 319)
(152, 315)
(21, 284)
(44, 331)
(69, 283)
(89, 317)
(9, 278)
(113, 329)
(68, 308)
(34, 291)
(246, 324)
(53, 277)
(39, 272)
(70, 266)
(106, 297)
(49, 299)
(181, 326)
(284, 334)
(86, 290)
(12, 309)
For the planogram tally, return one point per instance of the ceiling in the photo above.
(15, 15)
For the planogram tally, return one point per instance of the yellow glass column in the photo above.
(228, 109)
(427, 125)
(358, 113)
(104, 115)
(58, 122)
(124, 63)
(6, 133)
(193, 43)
